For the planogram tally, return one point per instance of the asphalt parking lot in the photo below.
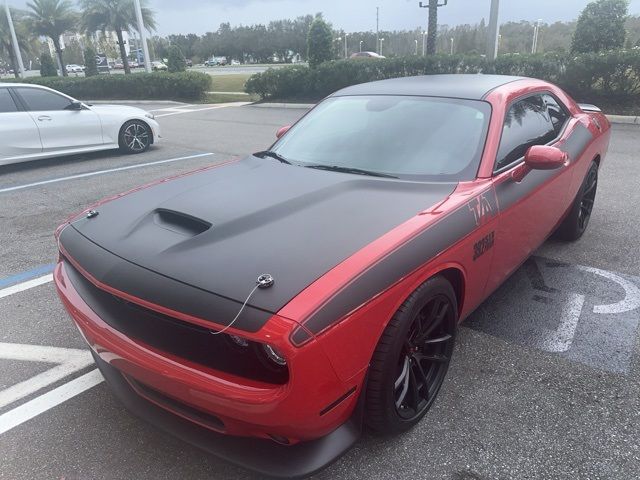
(545, 381)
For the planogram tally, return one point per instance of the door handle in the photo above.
(44, 118)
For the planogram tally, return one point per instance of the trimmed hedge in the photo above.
(139, 86)
(615, 74)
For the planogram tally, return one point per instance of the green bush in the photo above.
(47, 67)
(90, 64)
(139, 86)
(616, 73)
(175, 60)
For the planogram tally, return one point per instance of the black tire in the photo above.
(430, 311)
(577, 220)
(135, 137)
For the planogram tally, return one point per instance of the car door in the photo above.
(532, 207)
(18, 131)
(60, 127)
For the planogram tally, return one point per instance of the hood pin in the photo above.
(265, 281)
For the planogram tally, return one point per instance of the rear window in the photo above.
(417, 138)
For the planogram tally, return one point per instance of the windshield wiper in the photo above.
(272, 154)
(357, 171)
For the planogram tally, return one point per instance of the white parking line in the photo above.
(51, 399)
(68, 360)
(222, 105)
(21, 287)
(102, 172)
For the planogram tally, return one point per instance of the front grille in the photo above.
(187, 411)
(177, 337)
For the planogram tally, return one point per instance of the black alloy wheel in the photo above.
(412, 357)
(577, 220)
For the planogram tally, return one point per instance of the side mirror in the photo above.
(542, 157)
(75, 105)
(282, 131)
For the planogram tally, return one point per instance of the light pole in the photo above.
(345, 44)
(536, 34)
(381, 43)
(377, 27)
(494, 30)
(143, 37)
(14, 41)
(416, 47)
(424, 36)
(451, 45)
(361, 42)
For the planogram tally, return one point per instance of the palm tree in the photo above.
(24, 42)
(52, 18)
(116, 16)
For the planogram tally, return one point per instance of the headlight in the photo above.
(274, 355)
(150, 115)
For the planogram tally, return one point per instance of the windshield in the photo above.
(416, 138)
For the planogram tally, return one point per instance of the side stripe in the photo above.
(401, 262)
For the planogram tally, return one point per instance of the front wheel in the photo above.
(135, 137)
(412, 358)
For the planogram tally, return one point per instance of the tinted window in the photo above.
(557, 113)
(43, 100)
(527, 123)
(6, 102)
(419, 138)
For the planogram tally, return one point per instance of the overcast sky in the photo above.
(199, 16)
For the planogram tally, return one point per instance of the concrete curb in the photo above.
(618, 119)
(134, 102)
(622, 119)
(305, 106)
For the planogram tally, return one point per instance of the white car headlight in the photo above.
(150, 115)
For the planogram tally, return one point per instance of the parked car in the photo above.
(157, 66)
(292, 295)
(366, 55)
(73, 68)
(134, 64)
(118, 66)
(38, 122)
(189, 62)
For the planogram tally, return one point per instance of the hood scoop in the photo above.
(180, 223)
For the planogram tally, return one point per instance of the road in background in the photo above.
(545, 380)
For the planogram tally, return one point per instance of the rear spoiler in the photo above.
(586, 107)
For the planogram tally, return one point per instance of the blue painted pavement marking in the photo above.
(28, 275)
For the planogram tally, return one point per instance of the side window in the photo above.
(38, 100)
(527, 123)
(6, 101)
(557, 113)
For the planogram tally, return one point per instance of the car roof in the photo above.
(466, 86)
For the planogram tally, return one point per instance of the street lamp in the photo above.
(361, 42)
(416, 47)
(451, 45)
(345, 44)
(536, 33)
(381, 43)
(424, 36)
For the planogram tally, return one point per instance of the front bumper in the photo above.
(213, 409)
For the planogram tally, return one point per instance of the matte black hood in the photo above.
(219, 229)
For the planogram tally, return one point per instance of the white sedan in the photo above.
(38, 122)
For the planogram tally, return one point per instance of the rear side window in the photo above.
(42, 100)
(557, 113)
(527, 123)
(6, 101)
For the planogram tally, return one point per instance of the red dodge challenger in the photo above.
(267, 308)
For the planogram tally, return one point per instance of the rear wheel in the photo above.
(577, 221)
(412, 358)
(135, 137)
